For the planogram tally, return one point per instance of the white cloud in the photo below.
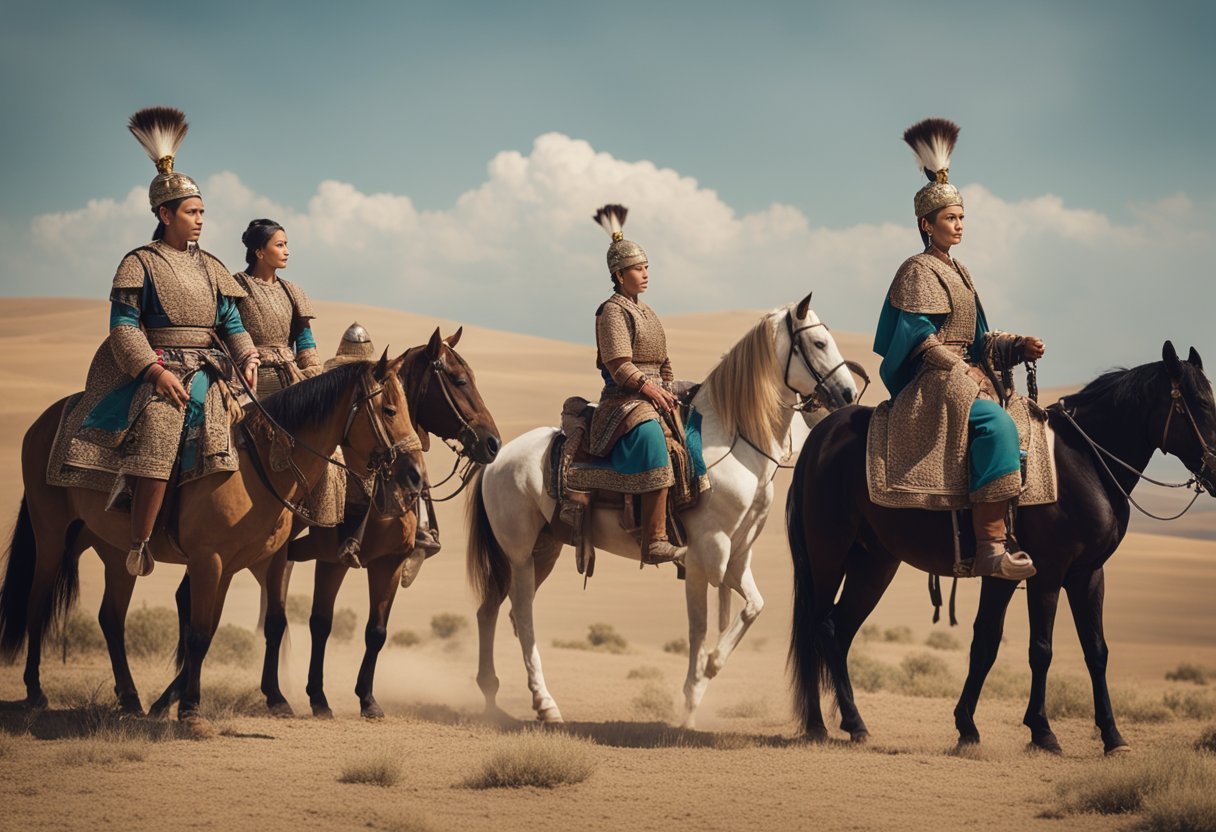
(520, 252)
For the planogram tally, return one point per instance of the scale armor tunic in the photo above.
(277, 315)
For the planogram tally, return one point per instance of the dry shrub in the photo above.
(654, 702)
(899, 635)
(1207, 740)
(404, 638)
(345, 622)
(226, 698)
(1192, 704)
(1007, 684)
(106, 747)
(870, 632)
(299, 608)
(233, 645)
(538, 759)
(1187, 672)
(1183, 808)
(152, 632)
(941, 640)
(927, 675)
(376, 770)
(1069, 697)
(646, 673)
(678, 646)
(81, 633)
(1134, 706)
(1128, 784)
(448, 624)
(605, 637)
(747, 709)
(869, 674)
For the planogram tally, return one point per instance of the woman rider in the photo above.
(632, 358)
(935, 344)
(151, 407)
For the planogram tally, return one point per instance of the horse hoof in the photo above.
(322, 712)
(971, 738)
(1119, 750)
(817, 735)
(37, 701)
(549, 716)
(859, 737)
(1047, 743)
(197, 728)
(372, 711)
(282, 710)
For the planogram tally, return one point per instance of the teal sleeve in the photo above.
(899, 334)
(123, 314)
(228, 317)
(305, 341)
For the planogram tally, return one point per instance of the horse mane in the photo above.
(311, 401)
(744, 388)
(1122, 386)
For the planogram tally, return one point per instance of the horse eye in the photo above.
(390, 412)
(460, 382)
(823, 345)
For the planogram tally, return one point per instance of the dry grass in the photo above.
(1192, 704)
(151, 632)
(1207, 740)
(233, 645)
(376, 770)
(1189, 808)
(107, 746)
(602, 637)
(899, 635)
(747, 709)
(678, 646)
(537, 759)
(448, 624)
(1187, 672)
(80, 633)
(1161, 781)
(654, 702)
(645, 673)
(8, 747)
(404, 638)
(227, 698)
(941, 640)
(411, 824)
(869, 632)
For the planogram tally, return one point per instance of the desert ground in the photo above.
(75, 766)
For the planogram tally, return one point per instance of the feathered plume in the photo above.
(612, 219)
(160, 130)
(932, 141)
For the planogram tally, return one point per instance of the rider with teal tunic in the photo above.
(935, 343)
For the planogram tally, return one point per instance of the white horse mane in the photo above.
(744, 388)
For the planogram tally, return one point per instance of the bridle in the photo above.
(813, 400)
(464, 467)
(1178, 404)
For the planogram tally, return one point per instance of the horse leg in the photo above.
(867, 577)
(56, 547)
(487, 678)
(1085, 595)
(383, 578)
(522, 592)
(173, 692)
(696, 597)
(207, 587)
(995, 594)
(119, 584)
(273, 578)
(325, 593)
(1041, 603)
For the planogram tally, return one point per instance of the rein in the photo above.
(1177, 404)
(464, 473)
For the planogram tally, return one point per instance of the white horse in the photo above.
(747, 405)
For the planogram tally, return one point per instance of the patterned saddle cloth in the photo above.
(902, 473)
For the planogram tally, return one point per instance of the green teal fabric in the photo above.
(195, 416)
(305, 341)
(899, 333)
(692, 439)
(111, 413)
(994, 450)
(122, 314)
(642, 449)
(228, 318)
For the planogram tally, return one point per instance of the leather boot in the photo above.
(426, 538)
(145, 505)
(655, 547)
(992, 555)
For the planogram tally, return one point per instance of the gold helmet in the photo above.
(622, 253)
(160, 131)
(356, 345)
(932, 141)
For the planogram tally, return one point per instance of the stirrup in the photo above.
(140, 561)
(426, 541)
(995, 560)
(661, 551)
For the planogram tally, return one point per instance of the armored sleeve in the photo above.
(128, 343)
(228, 324)
(917, 289)
(613, 334)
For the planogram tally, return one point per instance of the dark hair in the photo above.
(172, 205)
(256, 236)
(932, 218)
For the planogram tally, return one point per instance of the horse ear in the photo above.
(1194, 359)
(804, 306)
(1170, 357)
(381, 366)
(433, 345)
(454, 339)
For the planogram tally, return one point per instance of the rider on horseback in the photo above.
(938, 357)
(153, 405)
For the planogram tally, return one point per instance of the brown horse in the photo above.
(444, 400)
(837, 534)
(222, 523)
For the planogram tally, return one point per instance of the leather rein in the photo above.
(436, 369)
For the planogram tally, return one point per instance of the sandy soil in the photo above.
(741, 768)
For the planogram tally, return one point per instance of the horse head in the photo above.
(814, 367)
(1189, 420)
(380, 436)
(446, 402)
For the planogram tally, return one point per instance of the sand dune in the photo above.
(1158, 613)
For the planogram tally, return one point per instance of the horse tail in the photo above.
(19, 583)
(488, 568)
(806, 659)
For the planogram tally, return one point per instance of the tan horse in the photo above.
(223, 523)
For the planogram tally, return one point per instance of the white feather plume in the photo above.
(932, 141)
(159, 130)
(611, 218)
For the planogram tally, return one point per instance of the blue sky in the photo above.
(1104, 107)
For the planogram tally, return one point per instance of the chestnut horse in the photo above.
(222, 522)
(1104, 436)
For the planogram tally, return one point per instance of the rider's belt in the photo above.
(275, 354)
(196, 337)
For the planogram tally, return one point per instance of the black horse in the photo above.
(836, 534)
